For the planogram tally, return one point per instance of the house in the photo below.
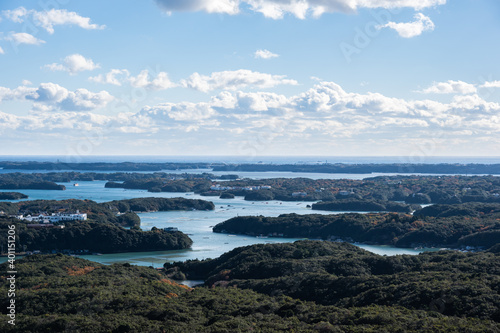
(345, 193)
(55, 217)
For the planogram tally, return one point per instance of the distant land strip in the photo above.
(442, 168)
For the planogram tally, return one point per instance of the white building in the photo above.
(56, 217)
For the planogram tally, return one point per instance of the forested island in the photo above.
(12, 196)
(367, 168)
(103, 230)
(365, 205)
(383, 190)
(442, 168)
(343, 275)
(332, 288)
(18, 181)
(472, 224)
(48, 181)
(100, 166)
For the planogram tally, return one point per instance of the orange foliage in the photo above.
(172, 283)
(75, 271)
(39, 286)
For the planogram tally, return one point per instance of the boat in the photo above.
(76, 184)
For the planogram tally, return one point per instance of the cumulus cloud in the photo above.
(23, 38)
(276, 9)
(265, 54)
(185, 111)
(143, 80)
(48, 19)
(411, 29)
(73, 64)
(50, 97)
(210, 6)
(491, 84)
(19, 93)
(231, 80)
(450, 87)
(16, 15)
(325, 112)
(114, 76)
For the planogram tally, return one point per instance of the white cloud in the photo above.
(265, 54)
(15, 15)
(48, 19)
(19, 93)
(114, 76)
(161, 82)
(73, 64)
(491, 84)
(450, 87)
(2, 51)
(314, 119)
(185, 111)
(231, 80)
(142, 80)
(210, 6)
(411, 29)
(276, 9)
(23, 38)
(51, 96)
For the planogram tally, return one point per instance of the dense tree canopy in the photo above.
(442, 225)
(63, 294)
(340, 274)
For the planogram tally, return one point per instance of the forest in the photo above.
(103, 232)
(93, 237)
(366, 205)
(12, 196)
(343, 275)
(59, 293)
(471, 224)
(384, 190)
(445, 168)
(106, 211)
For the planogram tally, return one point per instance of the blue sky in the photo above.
(250, 77)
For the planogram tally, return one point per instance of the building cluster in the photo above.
(43, 218)
(217, 187)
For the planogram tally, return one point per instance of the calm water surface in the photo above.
(197, 224)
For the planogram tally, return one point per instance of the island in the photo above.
(322, 287)
(414, 189)
(320, 167)
(84, 226)
(364, 205)
(454, 226)
(12, 196)
(447, 283)
(410, 168)
(23, 181)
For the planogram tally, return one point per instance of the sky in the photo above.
(250, 77)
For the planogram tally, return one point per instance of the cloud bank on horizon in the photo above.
(276, 9)
(149, 93)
